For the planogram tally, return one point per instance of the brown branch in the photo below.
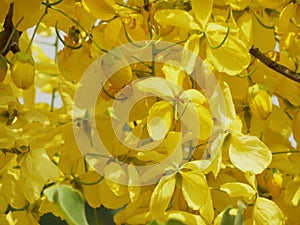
(5, 34)
(274, 65)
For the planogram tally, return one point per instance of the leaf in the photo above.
(175, 17)
(227, 219)
(248, 153)
(70, 202)
(174, 222)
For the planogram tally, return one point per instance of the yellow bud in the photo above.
(260, 102)
(22, 70)
(112, 60)
(296, 127)
(3, 67)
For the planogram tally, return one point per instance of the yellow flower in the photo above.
(178, 105)
(247, 153)
(224, 48)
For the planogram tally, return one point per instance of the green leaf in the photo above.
(70, 202)
(239, 218)
(174, 222)
(227, 219)
(154, 222)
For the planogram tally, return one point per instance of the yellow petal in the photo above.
(207, 210)
(237, 189)
(266, 212)
(30, 10)
(162, 195)
(284, 18)
(159, 87)
(175, 17)
(91, 192)
(231, 58)
(198, 120)
(102, 9)
(36, 170)
(185, 217)
(296, 127)
(115, 178)
(260, 102)
(160, 120)
(194, 188)
(24, 218)
(202, 10)
(249, 153)
(134, 187)
(246, 29)
(292, 192)
(109, 199)
(263, 38)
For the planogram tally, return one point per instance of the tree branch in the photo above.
(274, 65)
(5, 34)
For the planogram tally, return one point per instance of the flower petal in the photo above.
(249, 153)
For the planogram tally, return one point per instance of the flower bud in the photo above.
(3, 67)
(296, 127)
(260, 102)
(22, 70)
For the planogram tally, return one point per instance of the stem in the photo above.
(85, 183)
(259, 21)
(96, 217)
(226, 35)
(81, 27)
(62, 40)
(37, 26)
(56, 50)
(128, 7)
(285, 152)
(52, 99)
(153, 59)
(250, 73)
